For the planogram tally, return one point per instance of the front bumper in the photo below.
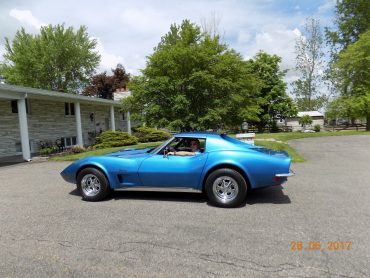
(68, 175)
(285, 175)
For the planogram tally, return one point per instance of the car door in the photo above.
(172, 170)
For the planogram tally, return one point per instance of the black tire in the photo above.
(93, 185)
(226, 188)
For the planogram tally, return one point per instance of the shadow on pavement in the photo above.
(272, 195)
(75, 192)
(152, 196)
(160, 196)
(11, 160)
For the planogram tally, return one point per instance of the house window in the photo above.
(18, 147)
(14, 106)
(69, 109)
(69, 141)
(123, 116)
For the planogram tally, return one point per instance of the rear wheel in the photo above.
(92, 184)
(226, 188)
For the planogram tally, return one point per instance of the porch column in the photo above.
(112, 119)
(80, 141)
(23, 126)
(128, 122)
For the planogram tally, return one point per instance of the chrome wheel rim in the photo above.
(225, 188)
(90, 185)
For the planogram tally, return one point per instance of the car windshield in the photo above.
(165, 143)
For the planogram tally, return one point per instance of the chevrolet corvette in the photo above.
(224, 168)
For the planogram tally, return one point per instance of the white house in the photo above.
(30, 116)
(317, 119)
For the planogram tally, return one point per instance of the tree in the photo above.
(103, 85)
(353, 69)
(309, 63)
(305, 120)
(58, 58)
(121, 77)
(193, 81)
(272, 97)
(352, 18)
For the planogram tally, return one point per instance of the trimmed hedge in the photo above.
(147, 134)
(109, 139)
(77, 149)
(48, 151)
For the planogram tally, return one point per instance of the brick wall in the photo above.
(9, 129)
(100, 122)
(47, 122)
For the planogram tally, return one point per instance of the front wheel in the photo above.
(92, 184)
(226, 188)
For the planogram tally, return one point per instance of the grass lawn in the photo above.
(279, 146)
(286, 136)
(71, 157)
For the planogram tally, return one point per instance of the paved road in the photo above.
(47, 231)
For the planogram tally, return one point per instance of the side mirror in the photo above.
(165, 152)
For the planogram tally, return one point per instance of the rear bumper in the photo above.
(285, 175)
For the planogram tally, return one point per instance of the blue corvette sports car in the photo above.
(221, 166)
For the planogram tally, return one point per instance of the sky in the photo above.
(127, 31)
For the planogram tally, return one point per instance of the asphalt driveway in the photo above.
(47, 231)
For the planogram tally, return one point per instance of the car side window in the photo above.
(202, 142)
(185, 144)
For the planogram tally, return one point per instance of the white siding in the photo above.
(294, 123)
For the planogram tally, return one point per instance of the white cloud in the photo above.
(244, 37)
(108, 60)
(327, 6)
(2, 52)
(129, 30)
(278, 40)
(145, 21)
(25, 16)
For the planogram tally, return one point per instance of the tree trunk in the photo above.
(261, 127)
(368, 123)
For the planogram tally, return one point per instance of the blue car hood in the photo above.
(130, 153)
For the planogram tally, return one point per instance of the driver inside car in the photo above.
(195, 147)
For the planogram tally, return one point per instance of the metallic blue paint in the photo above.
(132, 168)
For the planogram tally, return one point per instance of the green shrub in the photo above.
(147, 134)
(305, 120)
(274, 127)
(77, 149)
(47, 151)
(317, 128)
(90, 148)
(109, 139)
